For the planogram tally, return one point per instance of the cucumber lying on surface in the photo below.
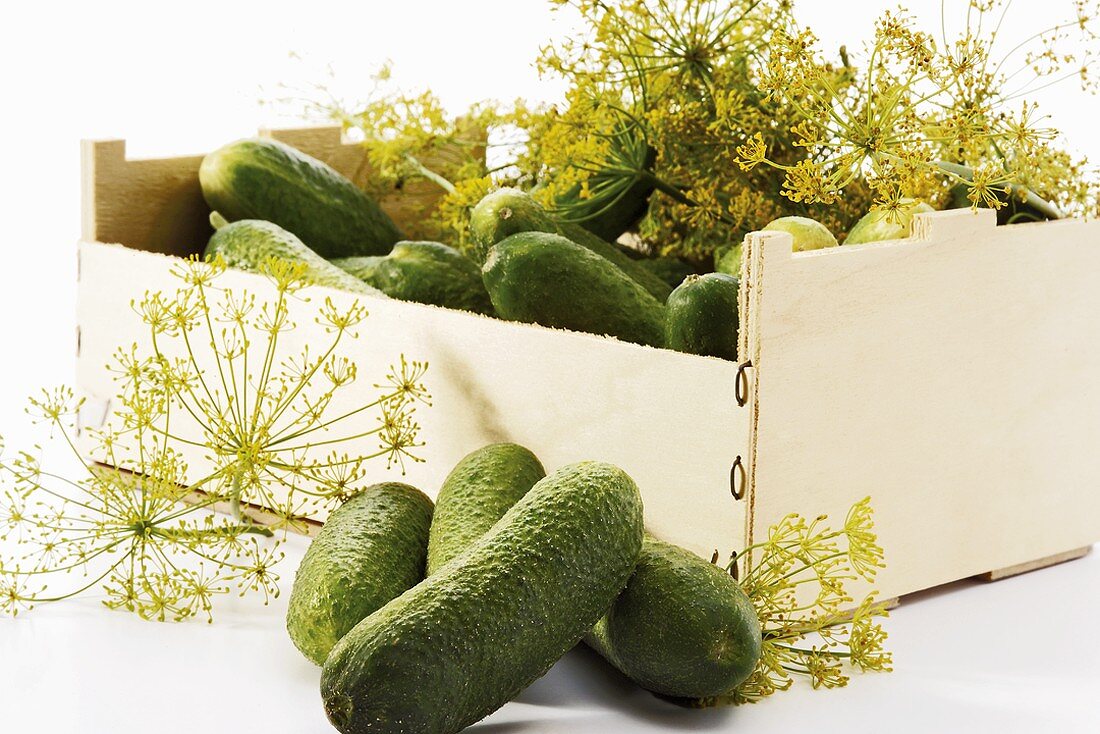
(248, 243)
(546, 279)
(682, 627)
(370, 550)
(424, 272)
(259, 178)
(466, 640)
(477, 493)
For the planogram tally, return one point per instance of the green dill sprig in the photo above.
(216, 383)
(924, 114)
(734, 117)
(797, 581)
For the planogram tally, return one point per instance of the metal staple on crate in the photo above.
(737, 488)
(737, 471)
(741, 387)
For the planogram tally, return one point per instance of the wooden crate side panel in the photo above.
(668, 419)
(952, 377)
(156, 204)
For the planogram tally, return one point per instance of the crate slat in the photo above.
(668, 419)
(951, 376)
(156, 204)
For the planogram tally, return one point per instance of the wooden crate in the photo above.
(949, 375)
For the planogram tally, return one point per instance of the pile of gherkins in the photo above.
(270, 199)
(428, 618)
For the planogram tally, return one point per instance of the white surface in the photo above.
(1014, 656)
(1019, 655)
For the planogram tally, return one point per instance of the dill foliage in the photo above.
(797, 579)
(701, 120)
(216, 383)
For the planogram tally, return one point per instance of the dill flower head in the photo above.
(214, 414)
(797, 579)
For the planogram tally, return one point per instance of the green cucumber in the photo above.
(423, 272)
(371, 549)
(727, 259)
(465, 641)
(682, 627)
(248, 243)
(258, 178)
(477, 493)
(507, 211)
(878, 225)
(702, 316)
(546, 279)
(808, 234)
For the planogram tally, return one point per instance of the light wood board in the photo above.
(950, 376)
(156, 204)
(668, 419)
(953, 377)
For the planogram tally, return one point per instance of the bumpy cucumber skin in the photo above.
(371, 550)
(542, 278)
(257, 178)
(248, 243)
(477, 493)
(465, 641)
(702, 316)
(424, 272)
(508, 211)
(682, 627)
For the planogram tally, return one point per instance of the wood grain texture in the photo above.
(951, 376)
(668, 419)
(156, 204)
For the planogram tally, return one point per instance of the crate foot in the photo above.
(1004, 573)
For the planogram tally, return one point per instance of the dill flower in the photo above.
(796, 579)
(214, 384)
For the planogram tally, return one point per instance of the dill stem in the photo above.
(279, 438)
(677, 195)
(105, 574)
(429, 174)
(966, 174)
(804, 651)
(235, 493)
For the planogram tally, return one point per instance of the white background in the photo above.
(176, 79)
